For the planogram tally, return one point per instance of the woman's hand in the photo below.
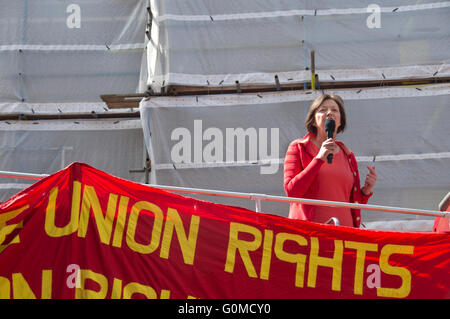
(371, 179)
(328, 147)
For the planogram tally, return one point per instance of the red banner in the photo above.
(82, 233)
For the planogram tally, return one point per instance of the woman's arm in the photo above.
(298, 180)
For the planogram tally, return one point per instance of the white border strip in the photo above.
(280, 161)
(218, 80)
(385, 73)
(403, 157)
(73, 47)
(14, 185)
(71, 125)
(290, 13)
(58, 108)
(218, 164)
(370, 74)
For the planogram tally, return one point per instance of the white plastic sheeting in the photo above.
(44, 147)
(402, 225)
(238, 142)
(58, 57)
(217, 42)
(60, 51)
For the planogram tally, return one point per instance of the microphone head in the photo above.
(330, 126)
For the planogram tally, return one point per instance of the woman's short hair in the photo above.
(310, 117)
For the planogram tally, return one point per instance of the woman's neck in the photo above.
(319, 138)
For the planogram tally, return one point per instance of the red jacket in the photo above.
(300, 170)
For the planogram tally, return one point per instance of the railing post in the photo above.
(257, 200)
(333, 220)
(258, 205)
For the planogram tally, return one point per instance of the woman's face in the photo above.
(328, 109)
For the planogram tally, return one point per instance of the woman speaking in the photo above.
(311, 172)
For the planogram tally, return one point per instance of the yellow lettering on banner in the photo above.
(101, 280)
(243, 247)
(46, 292)
(132, 224)
(117, 289)
(361, 249)
(21, 289)
(5, 288)
(165, 294)
(335, 263)
(136, 288)
(10, 215)
(267, 254)
(405, 288)
(104, 222)
(187, 243)
(50, 228)
(120, 223)
(298, 259)
(5, 230)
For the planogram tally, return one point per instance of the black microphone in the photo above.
(330, 125)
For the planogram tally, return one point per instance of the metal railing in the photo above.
(333, 220)
(263, 197)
